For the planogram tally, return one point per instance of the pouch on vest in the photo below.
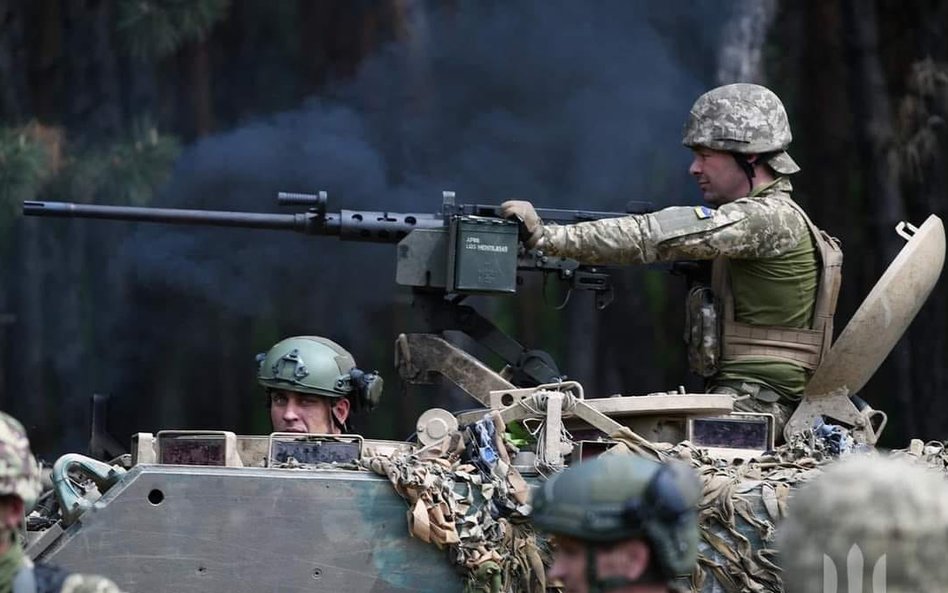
(702, 331)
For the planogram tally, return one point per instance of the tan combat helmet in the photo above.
(885, 516)
(19, 472)
(742, 118)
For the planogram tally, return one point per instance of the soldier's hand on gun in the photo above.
(524, 213)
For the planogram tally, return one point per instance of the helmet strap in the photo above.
(747, 167)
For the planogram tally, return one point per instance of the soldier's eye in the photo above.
(278, 399)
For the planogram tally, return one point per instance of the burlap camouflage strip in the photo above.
(742, 504)
(728, 513)
(729, 519)
(450, 506)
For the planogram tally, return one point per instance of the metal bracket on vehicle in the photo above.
(552, 402)
(836, 407)
(72, 502)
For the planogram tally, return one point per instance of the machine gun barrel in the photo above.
(167, 215)
(354, 225)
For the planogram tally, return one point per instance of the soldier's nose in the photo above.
(694, 168)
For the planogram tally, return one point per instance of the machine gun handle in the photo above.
(317, 200)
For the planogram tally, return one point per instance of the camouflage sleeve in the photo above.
(748, 228)
(88, 583)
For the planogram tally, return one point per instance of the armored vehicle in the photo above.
(212, 510)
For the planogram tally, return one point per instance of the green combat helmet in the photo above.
(318, 366)
(867, 520)
(745, 119)
(19, 472)
(620, 497)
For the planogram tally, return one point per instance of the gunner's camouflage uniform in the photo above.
(773, 268)
(19, 476)
(772, 257)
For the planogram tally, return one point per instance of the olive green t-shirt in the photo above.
(776, 291)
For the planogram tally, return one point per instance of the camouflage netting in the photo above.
(478, 515)
(744, 501)
(474, 509)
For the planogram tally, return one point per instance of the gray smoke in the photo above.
(568, 104)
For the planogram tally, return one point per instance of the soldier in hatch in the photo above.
(621, 524)
(762, 326)
(313, 385)
(19, 488)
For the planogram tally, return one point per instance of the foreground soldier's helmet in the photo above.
(742, 118)
(886, 516)
(318, 366)
(19, 472)
(620, 497)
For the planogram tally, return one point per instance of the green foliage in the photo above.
(24, 164)
(158, 28)
(127, 172)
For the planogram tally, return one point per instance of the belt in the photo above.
(755, 390)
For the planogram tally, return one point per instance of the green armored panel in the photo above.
(482, 255)
(174, 528)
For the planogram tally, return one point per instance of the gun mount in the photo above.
(466, 249)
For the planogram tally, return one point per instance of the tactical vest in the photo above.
(803, 346)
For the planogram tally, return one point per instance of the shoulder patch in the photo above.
(703, 212)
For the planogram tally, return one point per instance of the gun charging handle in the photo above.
(315, 201)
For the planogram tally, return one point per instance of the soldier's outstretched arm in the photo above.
(743, 229)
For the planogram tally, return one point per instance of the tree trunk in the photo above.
(94, 105)
(197, 67)
(874, 129)
(314, 30)
(741, 57)
(69, 360)
(14, 99)
(29, 371)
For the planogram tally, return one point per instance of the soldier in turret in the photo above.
(621, 524)
(313, 384)
(764, 323)
(19, 488)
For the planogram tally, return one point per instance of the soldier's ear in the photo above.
(340, 410)
(627, 559)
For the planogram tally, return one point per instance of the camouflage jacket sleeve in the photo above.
(748, 228)
(88, 583)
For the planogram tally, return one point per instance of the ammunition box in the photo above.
(482, 255)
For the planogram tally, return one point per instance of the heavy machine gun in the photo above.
(466, 249)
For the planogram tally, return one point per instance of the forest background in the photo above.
(219, 104)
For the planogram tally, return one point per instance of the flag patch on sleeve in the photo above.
(703, 212)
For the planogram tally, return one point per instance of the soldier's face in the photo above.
(11, 515)
(718, 175)
(627, 560)
(569, 565)
(291, 411)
